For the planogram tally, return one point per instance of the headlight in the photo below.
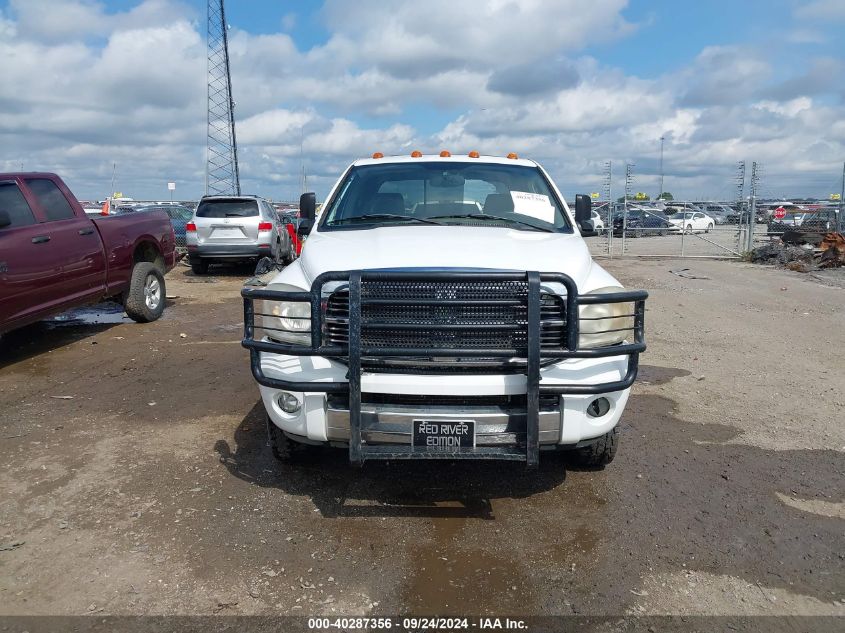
(286, 321)
(603, 324)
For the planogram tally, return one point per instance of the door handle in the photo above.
(86, 231)
(40, 239)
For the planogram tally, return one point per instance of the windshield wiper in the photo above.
(484, 216)
(375, 217)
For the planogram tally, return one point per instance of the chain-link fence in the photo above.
(672, 229)
(636, 226)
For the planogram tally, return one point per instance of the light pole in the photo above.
(660, 188)
(839, 217)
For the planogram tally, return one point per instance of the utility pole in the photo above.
(660, 188)
(303, 179)
(839, 221)
(113, 171)
(222, 175)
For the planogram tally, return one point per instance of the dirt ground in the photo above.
(135, 478)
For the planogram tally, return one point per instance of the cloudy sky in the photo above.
(573, 84)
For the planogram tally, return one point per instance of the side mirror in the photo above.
(305, 226)
(583, 214)
(5, 220)
(308, 206)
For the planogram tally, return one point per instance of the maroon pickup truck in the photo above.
(53, 257)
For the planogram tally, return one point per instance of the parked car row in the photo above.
(641, 221)
(820, 220)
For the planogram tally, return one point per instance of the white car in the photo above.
(690, 222)
(445, 307)
(596, 221)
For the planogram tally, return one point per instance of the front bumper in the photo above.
(392, 401)
(322, 375)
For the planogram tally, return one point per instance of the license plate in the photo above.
(444, 434)
(228, 233)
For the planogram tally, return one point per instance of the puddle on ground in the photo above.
(108, 313)
(450, 579)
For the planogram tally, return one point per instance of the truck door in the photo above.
(74, 242)
(29, 274)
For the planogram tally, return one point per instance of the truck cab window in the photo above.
(13, 203)
(51, 199)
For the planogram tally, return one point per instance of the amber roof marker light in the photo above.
(445, 154)
(513, 156)
(416, 154)
(473, 154)
(378, 155)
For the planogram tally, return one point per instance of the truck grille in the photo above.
(466, 315)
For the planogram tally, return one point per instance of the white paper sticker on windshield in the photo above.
(535, 205)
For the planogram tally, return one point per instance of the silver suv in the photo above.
(236, 228)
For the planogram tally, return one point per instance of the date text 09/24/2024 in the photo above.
(407, 624)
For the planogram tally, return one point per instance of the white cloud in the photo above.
(724, 74)
(416, 39)
(63, 20)
(821, 10)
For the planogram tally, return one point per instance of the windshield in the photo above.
(227, 209)
(680, 215)
(513, 196)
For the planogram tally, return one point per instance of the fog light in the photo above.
(289, 403)
(598, 407)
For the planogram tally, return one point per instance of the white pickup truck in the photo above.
(445, 307)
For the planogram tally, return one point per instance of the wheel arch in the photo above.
(147, 250)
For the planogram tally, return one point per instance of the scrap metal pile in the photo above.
(829, 252)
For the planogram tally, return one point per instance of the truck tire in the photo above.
(600, 453)
(199, 266)
(144, 302)
(283, 448)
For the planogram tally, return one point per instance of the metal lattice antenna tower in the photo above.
(221, 176)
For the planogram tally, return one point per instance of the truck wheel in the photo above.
(199, 266)
(146, 297)
(600, 453)
(283, 448)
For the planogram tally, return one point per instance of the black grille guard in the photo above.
(352, 353)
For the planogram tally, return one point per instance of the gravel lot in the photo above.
(136, 479)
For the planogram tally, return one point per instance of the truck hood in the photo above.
(465, 247)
